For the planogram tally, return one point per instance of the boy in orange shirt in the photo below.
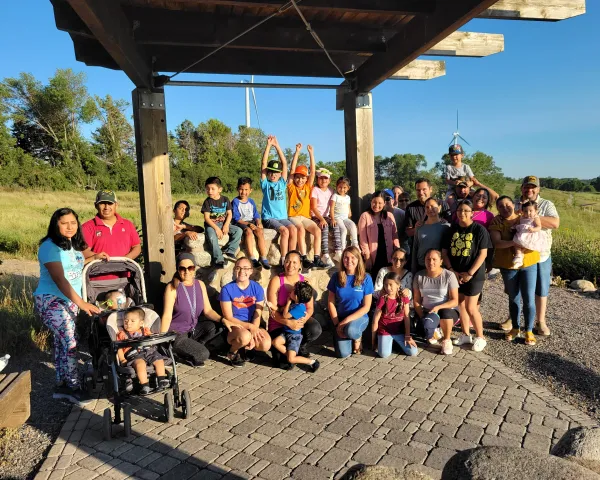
(298, 194)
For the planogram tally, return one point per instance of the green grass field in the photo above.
(25, 215)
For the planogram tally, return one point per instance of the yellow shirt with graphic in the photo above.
(298, 200)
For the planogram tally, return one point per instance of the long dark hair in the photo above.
(380, 194)
(77, 242)
(399, 305)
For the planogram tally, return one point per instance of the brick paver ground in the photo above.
(257, 422)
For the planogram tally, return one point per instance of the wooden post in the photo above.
(360, 157)
(149, 118)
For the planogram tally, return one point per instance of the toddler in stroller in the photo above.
(140, 357)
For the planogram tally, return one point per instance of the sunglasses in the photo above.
(396, 259)
(243, 269)
(191, 268)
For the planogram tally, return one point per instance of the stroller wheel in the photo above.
(127, 419)
(168, 406)
(186, 404)
(107, 424)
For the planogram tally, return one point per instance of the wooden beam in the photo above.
(543, 10)
(154, 178)
(360, 156)
(468, 44)
(390, 7)
(111, 28)
(421, 70)
(418, 36)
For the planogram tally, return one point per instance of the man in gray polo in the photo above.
(530, 192)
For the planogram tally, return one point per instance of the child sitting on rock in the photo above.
(140, 357)
(289, 341)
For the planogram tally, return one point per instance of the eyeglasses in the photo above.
(243, 269)
(191, 268)
(396, 259)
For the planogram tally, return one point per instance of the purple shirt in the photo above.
(185, 317)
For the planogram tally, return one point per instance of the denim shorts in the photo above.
(276, 224)
(542, 286)
(292, 340)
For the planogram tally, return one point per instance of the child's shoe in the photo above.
(306, 263)
(517, 261)
(314, 366)
(265, 264)
(145, 389)
(337, 256)
(163, 382)
(318, 263)
(255, 263)
(328, 262)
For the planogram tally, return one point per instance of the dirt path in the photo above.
(28, 268)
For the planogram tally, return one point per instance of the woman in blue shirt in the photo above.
(61, 255)
(242, 303)
(349, 301)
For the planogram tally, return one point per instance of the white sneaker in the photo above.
(437, 335)
(479, 344)
(493, 273)
(447, 347)
(327, 261)
(337, 257)
(463, 339)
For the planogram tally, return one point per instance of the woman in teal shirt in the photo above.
(62, 255)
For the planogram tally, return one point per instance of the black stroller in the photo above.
(104, 365)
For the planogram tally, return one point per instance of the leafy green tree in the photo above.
(399, 169)
(337, 169)
(483, 166)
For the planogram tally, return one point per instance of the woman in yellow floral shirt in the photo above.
(464, 250)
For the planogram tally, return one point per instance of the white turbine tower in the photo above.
(456, 135)
(248, 89)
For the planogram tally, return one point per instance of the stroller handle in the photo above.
(155, 339)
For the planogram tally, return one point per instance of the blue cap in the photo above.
(456, 150)
(431, 321)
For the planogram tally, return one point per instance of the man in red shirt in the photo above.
(110, 233)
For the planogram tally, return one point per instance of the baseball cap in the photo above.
(275, 166)
(301, 170)
(462, 182)
(323, 172)
(431, 321)
(456, 150)
(106, 196)
(531, 180)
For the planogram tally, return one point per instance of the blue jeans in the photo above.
(542, 286)
(385, 342)
(235, 235)
(352, 330)
(519, 283)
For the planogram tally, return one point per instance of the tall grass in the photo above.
(20, 329)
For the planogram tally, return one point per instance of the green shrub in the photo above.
(576, 255)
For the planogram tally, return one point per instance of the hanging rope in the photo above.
(316, 37)
(281, 9)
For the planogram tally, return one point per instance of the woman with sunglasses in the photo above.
(242, 302)
(399, 267)
(465, 248)
(429, 235)
(185, 301)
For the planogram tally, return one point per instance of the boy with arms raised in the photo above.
(273, 183)
(217, 222)
(246, 217)
(299, 190)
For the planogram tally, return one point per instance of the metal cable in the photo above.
(281, 9)
(316, 37)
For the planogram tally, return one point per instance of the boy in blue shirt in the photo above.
(217, 222)
(289, 341)
(273, 183)
(246, 217)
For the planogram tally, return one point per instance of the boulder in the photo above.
(507, 463)
(580, 445)
(582, 286)
(375, 472)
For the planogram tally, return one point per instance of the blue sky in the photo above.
(534, 107)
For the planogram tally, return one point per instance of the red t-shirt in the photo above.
(116, 241)
(391, 323)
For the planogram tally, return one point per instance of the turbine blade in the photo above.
(255, 106)
(464, 140)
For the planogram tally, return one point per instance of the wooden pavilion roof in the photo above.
(368, 40)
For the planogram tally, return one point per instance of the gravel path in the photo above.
(567, 363)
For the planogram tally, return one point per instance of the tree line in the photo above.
(571, 184)
(42, 145)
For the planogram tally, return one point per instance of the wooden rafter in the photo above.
(468, 44)
(418, 36)
(548, 10)
(111, 28)
(421, 70)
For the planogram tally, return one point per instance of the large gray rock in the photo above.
(580, 445)
(582, 286)
(366, 472)
(505, 463)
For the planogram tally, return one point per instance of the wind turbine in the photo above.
(456, 135)
(248, 89)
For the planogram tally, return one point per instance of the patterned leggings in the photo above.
(337, 242)
(59, 316)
